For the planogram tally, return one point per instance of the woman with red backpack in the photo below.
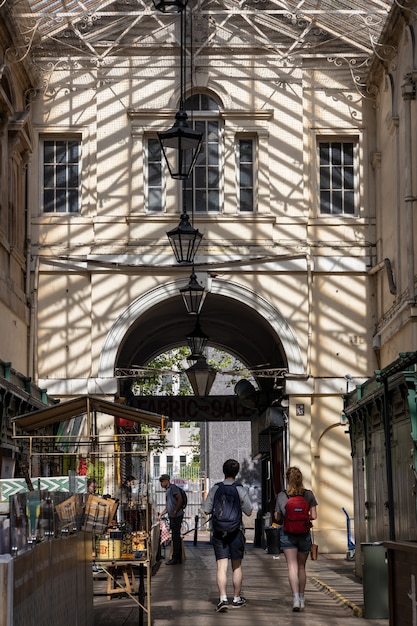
(295, 510)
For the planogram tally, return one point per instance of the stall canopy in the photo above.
(84, 405)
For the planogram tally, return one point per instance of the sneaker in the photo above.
(222, 606)
(237, 603)
(296, 604)
(301, 604)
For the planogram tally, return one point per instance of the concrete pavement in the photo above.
(187, 594)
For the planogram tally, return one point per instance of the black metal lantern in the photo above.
(181, 144)
(201, 376)
(170, 6)
(184, 240)
(193, 295)
(197, 341)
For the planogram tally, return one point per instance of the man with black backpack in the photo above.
(175, 512)
(226, 501)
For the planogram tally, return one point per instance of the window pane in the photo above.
(213, 201)
(325, 205)
(348, 153)
(48, 201)
(337, 178)
(73, 200)
(61, 176)
(154, 174)
(48, 176)
(73, 152)
(200, 177)
(349, 203)
(61, 200)
(73, 176)
(61, 152)
(246, 200)
(325, 178)
(349, 178)
(212, 154)
(201, 204)
(154, 199)
(213, 177)
(245, 151)
(337, 204)
(246, 172)
(48, 152)
(324, 154)
(336, 152)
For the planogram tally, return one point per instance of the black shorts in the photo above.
(229, 545)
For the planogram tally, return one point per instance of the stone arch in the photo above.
(233, 291)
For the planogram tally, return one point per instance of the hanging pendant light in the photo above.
(170, 6)
(184, 240)
(193, 295)
(197, 341)
(180, 144)
(201, 376)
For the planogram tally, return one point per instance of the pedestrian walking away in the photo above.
(226, 501)
(295, 510)
(175, 513)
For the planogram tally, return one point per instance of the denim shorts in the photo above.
(302, 543)
(229, 546)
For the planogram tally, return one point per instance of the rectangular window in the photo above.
(246, 175)
(337, 177)
(61, 176)
(202, 188)
(170, 464)
(156, 466)
(154, 176)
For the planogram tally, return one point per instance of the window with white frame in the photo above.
(154, 195)
(202, 188)
(61, 175)
(156, 466)
(338, 173)
(246, 176)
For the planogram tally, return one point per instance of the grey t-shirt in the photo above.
(171, 500)
(282, 499)
(243, 493)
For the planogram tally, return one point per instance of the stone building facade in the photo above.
(292, 192)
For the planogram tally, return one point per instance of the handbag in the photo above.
(314, 548)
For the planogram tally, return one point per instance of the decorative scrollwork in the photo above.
(358, 69)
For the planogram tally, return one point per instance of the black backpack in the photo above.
(227, 508)
(184, 497)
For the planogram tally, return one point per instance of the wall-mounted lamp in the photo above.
(184, 240)
(193, 295)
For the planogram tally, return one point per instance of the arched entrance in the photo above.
(235, 318)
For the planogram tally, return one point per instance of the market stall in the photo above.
(73, 490)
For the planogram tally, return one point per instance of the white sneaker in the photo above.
(296, 604)
(301, 604)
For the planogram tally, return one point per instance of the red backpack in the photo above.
(297, 519)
